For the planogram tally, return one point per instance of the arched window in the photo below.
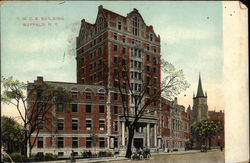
(100, 24)
(136, 26)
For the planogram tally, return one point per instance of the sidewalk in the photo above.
(183, 152)
(89, 160)
(96, 160)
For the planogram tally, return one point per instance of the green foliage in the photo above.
(94, 138)
(105, 154)
(12, 134)
(16, 157)
(173, 81)
(13, 90)
(207, 128)
(50, 157)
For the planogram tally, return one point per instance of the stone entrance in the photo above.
(138, 143)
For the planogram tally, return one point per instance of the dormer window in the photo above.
(151, 37)
(136, 25)
(100, 24)
(119, 26)
(83, 34)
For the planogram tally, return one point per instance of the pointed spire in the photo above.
(200, 91)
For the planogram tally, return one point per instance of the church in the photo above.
(200, 112)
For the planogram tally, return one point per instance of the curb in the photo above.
(180, 153)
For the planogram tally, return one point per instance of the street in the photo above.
(208, 157)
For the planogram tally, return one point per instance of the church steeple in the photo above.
(200, 90)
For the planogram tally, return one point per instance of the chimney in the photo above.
(100, 7)
(83, 21)
(39, 79)
(135, 9)
(175, 100)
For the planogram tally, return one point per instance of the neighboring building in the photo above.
(113, 40)
(218, 139)
(200, 112)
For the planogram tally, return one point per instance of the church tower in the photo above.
(200, 107)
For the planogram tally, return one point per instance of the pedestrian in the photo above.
(221, 148)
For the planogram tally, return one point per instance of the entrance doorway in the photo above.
(138, 143)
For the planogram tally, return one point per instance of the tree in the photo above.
(148, 93)
(34, 107)
(94, 139)
(206, 129)
(12, 135)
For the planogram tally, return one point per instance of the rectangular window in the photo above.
(151, 37)
(115, 72)
(88, 142)
(101, 96)
(123, 62)
(101, 109)
(115, 48)
(74, 142)
(155, 70)
(116, 126)
(148, 68)
(115, 96)
(88, 95)
(139, 53)
(148, 57)
(115, 36)
(88, 108)
(147, 46)
(40, 122)
(124, 39)
(74, 108)
(40, 142)
(115, 60)
(60, 142)
(123, 50)
(88, 124)
(119, 25)
(74, 95)
(60, 124)
(115, 109)
(102, 142)
(101, 125)
(116, 83)
(60, 108)
(83, 70)
(116, 143)
(74, 124)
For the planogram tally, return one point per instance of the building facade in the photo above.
(103, 50)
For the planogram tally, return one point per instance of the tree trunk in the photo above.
(24, 145)
(130, 139)
(209, 143)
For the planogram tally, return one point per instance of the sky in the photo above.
(191, 39)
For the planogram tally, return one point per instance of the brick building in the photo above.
(218, 139)
(103, 49)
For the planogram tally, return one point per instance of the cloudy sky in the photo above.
(191, 39)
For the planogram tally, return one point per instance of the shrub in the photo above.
(16, 157)
(50, 157)
(86, 154)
